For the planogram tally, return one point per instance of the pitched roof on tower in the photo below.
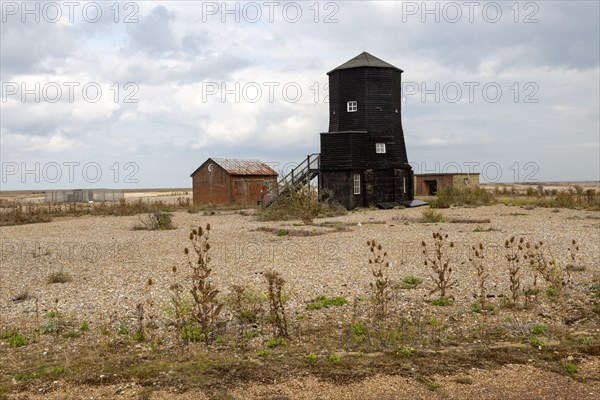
(365, 59)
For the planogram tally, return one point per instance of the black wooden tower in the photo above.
(363, 156)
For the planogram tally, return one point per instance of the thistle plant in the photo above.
(477, 260)
(546, 266)
(276, 304)
(439, 263)
(513, 257)
(382, 287)
(206, 308)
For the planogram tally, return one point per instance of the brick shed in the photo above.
(430, 184)
(231, 181)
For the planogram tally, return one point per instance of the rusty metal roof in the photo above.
(244, 167)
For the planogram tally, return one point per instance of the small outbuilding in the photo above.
(83, 195)
(430, 184)
(233, 181)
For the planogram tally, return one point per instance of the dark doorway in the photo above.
(432, 185)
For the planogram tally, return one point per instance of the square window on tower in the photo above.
(380, 148)
(352, 106)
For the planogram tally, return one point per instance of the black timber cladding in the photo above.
(349, 147)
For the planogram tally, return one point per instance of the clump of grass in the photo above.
(439, 263)
(335, 359)
(311, 358)
(300, 202)
(410, 282)
(15, 339)
(475, 196)
(537, 342)
(283, 232)
(323, 302)
(476, 308)
(84, 327)
(247, 307)
(276, 342)
(432, 216)
(442, 301)
(72, 335)
(58, 277)
(571, 368)
(156, 221)
(538, 329)
(276, 304)
(405, 351)
(264, 353)
(359, 332)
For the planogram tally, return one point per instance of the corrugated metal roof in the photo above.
(364, 59)
(244, 167)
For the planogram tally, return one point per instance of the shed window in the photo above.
(352, 106)
(404, 184)
(380, 148)
(356, 183)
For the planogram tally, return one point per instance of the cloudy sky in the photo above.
(139, 94)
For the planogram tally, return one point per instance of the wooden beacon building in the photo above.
(363, 157)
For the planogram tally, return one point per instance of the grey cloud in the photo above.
(153, 33)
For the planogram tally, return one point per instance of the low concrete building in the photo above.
(83, 195)
(231, 181)
(430, 184)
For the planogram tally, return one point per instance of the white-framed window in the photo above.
(356, 183)
(352, 106)
(404, 184)
(211, 168)
(380, 148)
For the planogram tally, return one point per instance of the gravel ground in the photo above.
(511, 382)
(110, 263)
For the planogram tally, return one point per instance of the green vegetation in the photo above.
(335, 359)
(264, 353)
(442, 301)
(311, 358)
(571, 368)
(410, 282)
(156, 221)
(15, 339)
(359, 332)
(275, 342)
(85, 326)
(432, 216)
(300, 203)
(323, 302)
(537, 342)
(538, 329)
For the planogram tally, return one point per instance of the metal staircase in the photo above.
(301, 175)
